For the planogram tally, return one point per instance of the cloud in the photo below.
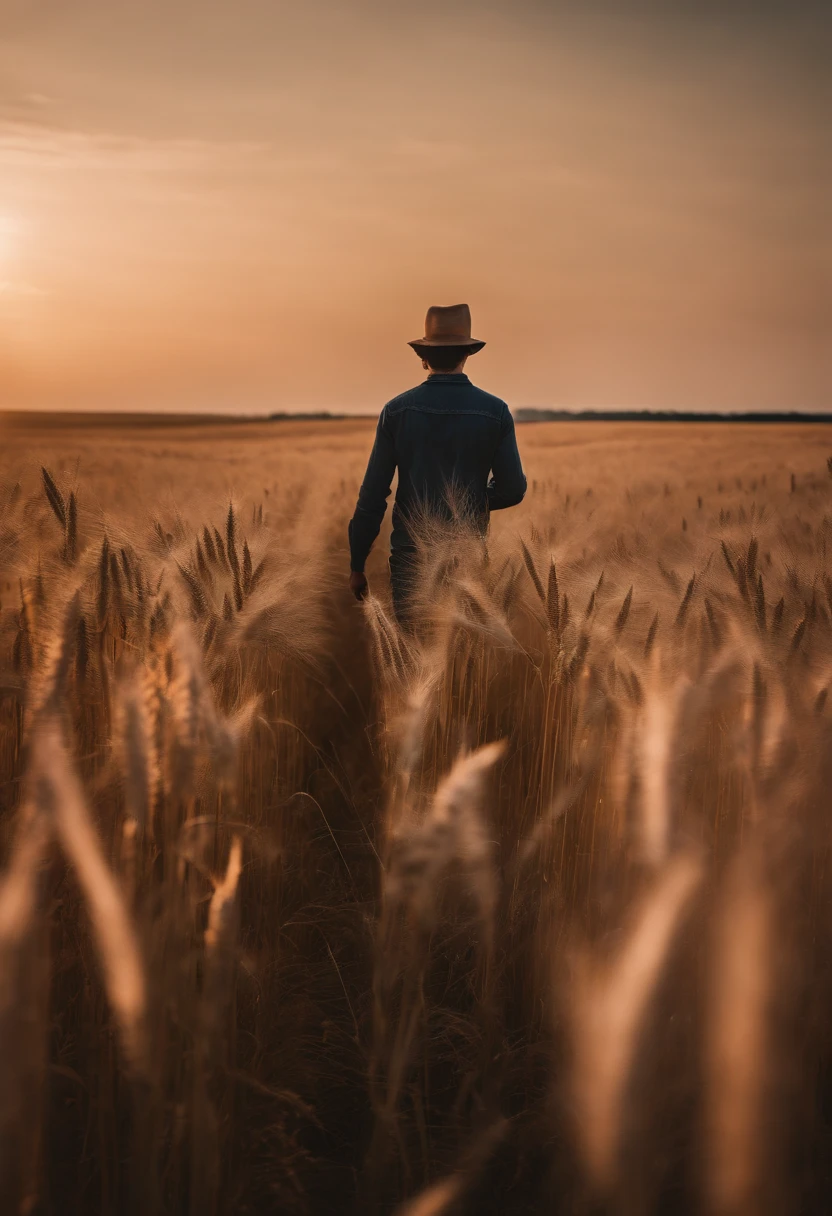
(46, 145)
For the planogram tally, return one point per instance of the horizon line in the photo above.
(522, 415)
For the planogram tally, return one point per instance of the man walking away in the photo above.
(445, 437)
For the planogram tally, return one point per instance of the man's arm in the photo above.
(507, 486)
(372, 497)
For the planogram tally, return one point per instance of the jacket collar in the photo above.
(448, 378)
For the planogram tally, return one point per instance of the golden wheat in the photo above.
(553, 859)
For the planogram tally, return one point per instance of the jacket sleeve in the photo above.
(372, 497)
(507, 486)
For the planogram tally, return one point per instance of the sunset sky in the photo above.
(248, 206)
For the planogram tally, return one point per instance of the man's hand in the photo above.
(358, 584)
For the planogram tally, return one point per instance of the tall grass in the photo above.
(523, 909)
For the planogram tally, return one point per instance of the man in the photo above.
(445, 437)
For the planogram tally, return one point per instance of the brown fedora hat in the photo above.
(448, 327)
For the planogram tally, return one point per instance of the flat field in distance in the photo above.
(526, 910)
(142, 459)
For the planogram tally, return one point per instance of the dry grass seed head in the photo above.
(71, 541)
(285, 617)
(624, 612)
(651, 636)
(231, 540)
(533, 575)
(208, 542)
(553, 600)
(220, 943)
(777, 616)
(126, 570)
(685, 604)
(53, 677)
(760, 605)
(223, 560)
(452, 833)
(196, 593)
(387, 644)
(54, 497)
(797, 636)
(103, 601)
(483, 616)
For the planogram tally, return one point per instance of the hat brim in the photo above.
(469, 345)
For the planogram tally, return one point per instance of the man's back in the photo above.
(445, 436)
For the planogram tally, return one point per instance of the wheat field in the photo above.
(525, 911)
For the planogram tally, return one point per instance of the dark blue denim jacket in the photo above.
(443, 435)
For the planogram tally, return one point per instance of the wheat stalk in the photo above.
(737, 1042)
(58, 792)
(609, 1002)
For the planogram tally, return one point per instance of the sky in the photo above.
(248, 206)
